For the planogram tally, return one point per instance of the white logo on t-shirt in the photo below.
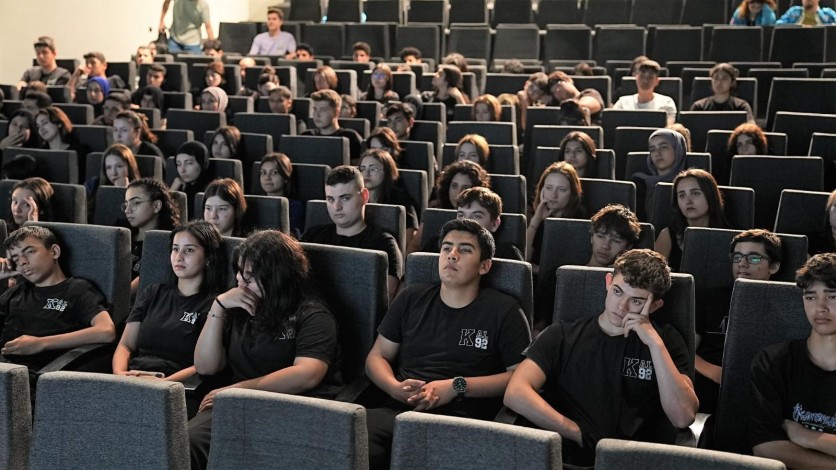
(637, 368)
(55, 304)
(190, 317)
(479, 342)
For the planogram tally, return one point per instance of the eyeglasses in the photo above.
(372, 170)
(751, 258)
(132, 205)
(378, 75)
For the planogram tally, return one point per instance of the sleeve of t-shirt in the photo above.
(316, 335)
(254, 49)
(593, 93)
(618, 104)
(676, 348)
(670, 107)
(142, 303)
(391, 325)
(204, 12)
(291, 44)
(393, 252)
(514, 336)
(26, 78)
(546, 349)
(90, 302)
(63, 77)
(765, 416)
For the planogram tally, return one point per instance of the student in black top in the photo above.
(613, 375)
(448, 348)
(793, 405)
(380, 86)
(192, 172)
(558, 194)
(270, 331)
(447, 83)
(346, 198)
(384, 138)
(162, 330)
(381, 178)
(47, 71)
(47, 312)
(754, 254)
(131, 129)
(325, 114)
(148, 206)
(723, 84)
(224, 207)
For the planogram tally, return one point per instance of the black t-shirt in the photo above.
(136, 256)
(355, 142)
(595, 118)
(252, 352)
(399, 197)
(170, 326)
(439, 342)
(606, 384)
(733, 104)
(59, 76)
(371, 238)
(711, 319)
(147, 148)
(47, 311)
(787, 385)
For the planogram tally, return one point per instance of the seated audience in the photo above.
(47, 71)
(696, 202)
(192, 172)
(275, 175)
(34, 101)
(400, 118)
(825, 240)
(213, 48)
(280, 101)
(324, 78)
(115, 103)
(563, 89)
(56, 131)
(384, 138)
(747, 139)
(380, 86)
(97, 90)
(486, 108)
(21, 131)
(665, 160)
(303, 52)
(95, 66)
(274, 41)
(381, 178)
(131, 130)
(214, 99)
(647, 79)
(346, 198)
(578, 149)
(534, 92)
(270, 331)
(162, 329)
(118, 169)
(475, 148)
(723, 84)
(225, 142)
(325, 105)
(446, 83)
(348, 107)
(362, 52)
(792, 405)
(809, 13)
(448, 348)
(588, 393)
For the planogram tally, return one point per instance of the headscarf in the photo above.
(677, 141)
(220, 95)
(103, 83)
(155, 93)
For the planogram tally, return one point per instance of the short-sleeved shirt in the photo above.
(732, 104)
(281, 44)
(663, 102)
(65, 307)
(59, 76)
(787, 385)
(187, 18)
(169, 329)
(355, 143)
(254, 352)
(606, 384)
(437, 341)
(371, 238)
(595, 118)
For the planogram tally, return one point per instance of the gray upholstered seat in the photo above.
(503, 159)
(263, 212)
(611, 454)
(314, 433)
(512, 228)
(511, 277)
(801, 212)
(430, 441)
(597, 193)
(88, 420)
(315, 149)
(739, 206)
(55, 166)
(496, 133)
(512, 190)
(15, 416)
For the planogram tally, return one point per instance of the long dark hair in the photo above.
(214, 252)
(708, 186)
(229, 191)
(282, 271)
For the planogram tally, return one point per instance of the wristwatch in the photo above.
(460, 386)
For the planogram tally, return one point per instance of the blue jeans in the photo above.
(175, 47)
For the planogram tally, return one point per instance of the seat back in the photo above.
(801, 212)
(512, 229)
(516, 41)
(78, 113)
(503, 159)
(765, 76)
(803, 95)
(456, 440)
(55, 166)
(637, 162)
(706, 256)
(604, 161)
(563, 41)
(762, 313)
(389, 218)
(512, 190)
(218, 168)
(614, 118)
(611, 454)
(768, 176)
(63, 428)
(617, 42)
(470, 40)
(169, 140)
(315, 149)
(238, 414)
(700, 122)
(824, 145)
(666, 43)
(736, 44)
(791, 45)
(799, 128)
(419, 156)
(597, 193)
(510, 277)
(717, 142)
(16, 411)
(746, 88)
(263, 212)
(196, 121)
(176, 76)
(274, 125)
(580, 292)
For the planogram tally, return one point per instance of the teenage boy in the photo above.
(613, 375)
(46, 313)
(723, 83)
(563, 88)
(754, 254)
(325, 114)
(34, 101)
(303, 52)
(793, 404)
(362, 52)
(213, 48)
(647, 79)
(95, 65)
(274, 41)
(447, 348)
(115, 103)
(483, 206)
(346, 198)
(47, 71)
(400, 119)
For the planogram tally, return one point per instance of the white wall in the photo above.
(114, 27)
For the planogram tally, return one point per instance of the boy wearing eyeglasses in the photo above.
(346, 197)
(754, 254)
(47, 312)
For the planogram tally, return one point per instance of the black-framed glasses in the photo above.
(751, 258)
(132, 205)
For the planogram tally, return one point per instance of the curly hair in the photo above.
(478, 177)
(615, 218)
(567, 170)
(214, 253)
(644, 269)
(169, 215)
(752, 130)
